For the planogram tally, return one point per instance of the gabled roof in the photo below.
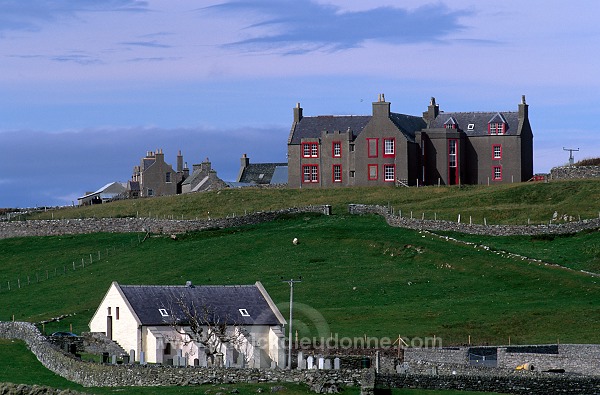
(222, 301)
(311, 127)
(479, 120)
(261, 173)
(408, 124)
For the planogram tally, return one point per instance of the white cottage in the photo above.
(222, 325)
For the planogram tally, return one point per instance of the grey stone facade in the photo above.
(389, 148)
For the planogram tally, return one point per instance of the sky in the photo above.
(87, 87)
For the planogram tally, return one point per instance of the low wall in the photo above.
(572, 172)
(491, 230)
(141, 225)
(526, 383)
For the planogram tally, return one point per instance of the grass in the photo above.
(359, 277)
(17, 365)
(499, 204)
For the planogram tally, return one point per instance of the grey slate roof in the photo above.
(280, 175)
(311, 127)
(224, 301)
(408, 124)
(260, 173)
(480, 121)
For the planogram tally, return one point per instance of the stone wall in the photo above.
(521, 382)
(491, 230)
(141, 225)
(573, 358)
(571, 172)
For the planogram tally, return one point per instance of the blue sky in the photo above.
(87, 87)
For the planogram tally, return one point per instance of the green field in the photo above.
(359, 276)
(500, 204)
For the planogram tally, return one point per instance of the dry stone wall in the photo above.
(572, 172)
(150, 225)
(491, 230)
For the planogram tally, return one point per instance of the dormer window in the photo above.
(497, 128)
(497, 125)
(451, 123)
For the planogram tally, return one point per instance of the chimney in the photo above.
(381, 108)
(297, 113)
(179, 162)
(244, 161)
(523, 109)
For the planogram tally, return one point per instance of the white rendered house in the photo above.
(208, 325)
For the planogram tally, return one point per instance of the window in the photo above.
(352, 173)
(471, 126)
(389, 173)
(372, 148)
(352, 148)
(453, 162)
(497, 173)
(168, 348)
(497, 151)
(168, 176)
(108, 311)
(337, 173)
(310, 150)
(150, 192)
(310, 173)
(389, 147)
(496, 128)
(244, 312)
(372, 172)
(450, 126)
(163, 312)
(117, 312)
(336, 149)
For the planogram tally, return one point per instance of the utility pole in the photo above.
(291, 282)
(571, 159)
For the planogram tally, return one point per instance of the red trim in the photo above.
(494, 151)
(494, 173)
(369, 167)
(369, 148)
(313, 169)
(333, 149)
(310, 146)
(456, 156)
(393, 139)
(393, 166)
(333, 173)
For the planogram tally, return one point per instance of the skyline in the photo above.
(88, 89)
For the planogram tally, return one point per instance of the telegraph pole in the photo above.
(571, 159)
(291, 282)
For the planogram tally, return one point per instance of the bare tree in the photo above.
(202, 325)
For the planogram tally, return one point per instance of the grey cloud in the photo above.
(303, 26)
(150, 44)
(31, 15)
(155, 59)
(67, 164)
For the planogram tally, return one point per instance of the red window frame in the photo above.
(372, 143)
(372, 166)
(499, 168)
(333, 147)
(309, 150)
(388, 166)
(499, 146)
(393, 154)
(333, 168)
(499, 128)
(453, 175)
(313, 174)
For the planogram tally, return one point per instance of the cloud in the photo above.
(304, 26)
(60, 167)
(150, 44)
(31, 15)
(156, 59)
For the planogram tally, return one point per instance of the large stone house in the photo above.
(155, 177)
(239, 324)
(388, 148)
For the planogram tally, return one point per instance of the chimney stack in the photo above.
(179, 162)
(297, 113)
(381, 108)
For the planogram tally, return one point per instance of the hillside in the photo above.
(360, 275)
(500, 204)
